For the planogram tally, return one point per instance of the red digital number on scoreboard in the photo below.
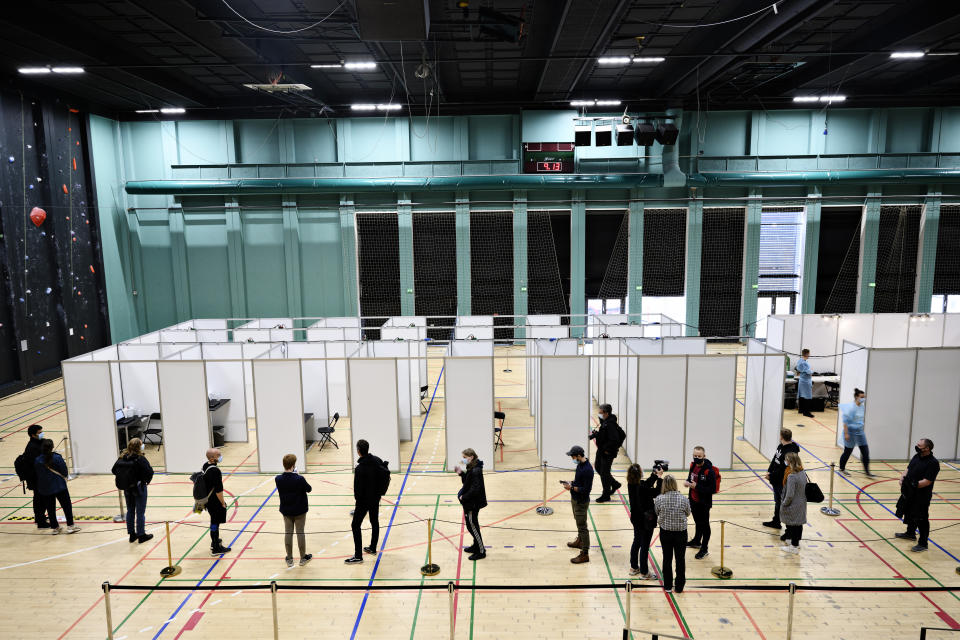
(549, 166)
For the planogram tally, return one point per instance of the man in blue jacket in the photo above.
(580, 501)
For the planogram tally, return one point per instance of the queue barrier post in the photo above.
(171, 569)
(543, 509)
(628, 588)
(122, 516)
(722, 572)
(273, 597)
(106, 603)
(829, 510)
(429, 569)
(453, 613)
(793, 593)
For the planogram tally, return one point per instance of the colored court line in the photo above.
(749, 617)
(396, 505)
(416, 609)
(24, 415)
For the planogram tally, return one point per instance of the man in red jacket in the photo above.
(702, 482)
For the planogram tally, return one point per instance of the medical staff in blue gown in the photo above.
(853, 434)
(804, 384)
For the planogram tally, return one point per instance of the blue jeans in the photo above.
(136, 505)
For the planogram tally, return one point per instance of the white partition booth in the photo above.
(473, 327)
(265, 330)
(374, 407)
(279, 409)
(468, 400)
(342, 338)
(560, 399)
(413, 330)
(539, 327)
(763, 400)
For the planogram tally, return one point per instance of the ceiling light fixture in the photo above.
(613, 60)
(389, 107)
(68, 70)
(338, 65)
(147, 111)
(607, 103)
(582, 103)
(173, 110)
(907, 54)
(33, 70)
(360, 66)
(364, 107)
(806, 99)
(648, 59)
(829, 99)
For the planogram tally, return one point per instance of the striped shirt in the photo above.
(672, 511)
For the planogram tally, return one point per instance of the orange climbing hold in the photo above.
(91, 269)
(64, 188)
(74, 164)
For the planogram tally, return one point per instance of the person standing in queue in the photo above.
(132, 473)
(853, 434)
(775, 472)
(369, 486)
(672, 512)
(580, 502)
(216, 504)
(702, 482)
(608, 438)
(916, 491)
(292, 489)
(643, 517)
(52, 474)
(27, 472)
(794, 505)
(472, 497)
(804, 384)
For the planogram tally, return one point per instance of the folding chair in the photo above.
(326, 433)
(498, 431)
(423, 396)
(148, 432)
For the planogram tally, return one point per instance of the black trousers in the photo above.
(919, 518)
(674, 545)
(701, 519)
(864, 457)
(777, 499)
(40, 510)
(640, 548)
(793, 534)
(64, 499)
(473, 526)
(602, 464)
(360, 511)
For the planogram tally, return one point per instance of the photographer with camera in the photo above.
(702, 480)
(643, 515)
(608, 437)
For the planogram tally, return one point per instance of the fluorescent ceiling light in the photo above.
(389, 107)
(607, 103)
(338, 65)
(364, 107)
(582, 103)
(614, 60)
(147, 111)
(648, 59)
(173, 110)
(806, 98)
(68, 70)
(907, 54)
(360, 66)
(829, 99)
(33, 70)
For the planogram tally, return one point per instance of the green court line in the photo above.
(416, 610)
(603, 554)
(683, 620)
(473, 597)
(19, 422)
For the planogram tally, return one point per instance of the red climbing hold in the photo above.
(64, 188)
(37, 216)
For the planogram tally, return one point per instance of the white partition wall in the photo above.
(374, 413)
(414, 330)
(926, 330)
(342, 336)
(661, 393)
(138, 380)
(792, 337)
(211, 330)
(951, 330)
(399, 351)
(856, 328)
(890, 330)
(564, 408)
(225, 380)
(819, 334)
(772, 409)
(711, 394)
(753, 393)
(313, 378)
(468, 406)
(479, 327)
(111, 353)
(251, 351)
(90, 420)
(265, 330)
(187, 432)
(936, 400)
(279, 411)
(684, 346)
(890, 374)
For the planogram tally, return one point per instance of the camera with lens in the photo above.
(661, 465)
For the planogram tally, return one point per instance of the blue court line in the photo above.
(762, 479)
(885, 507)
(215, 563)
(31, 413)
(396, 506)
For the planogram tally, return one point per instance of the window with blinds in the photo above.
(781, 249)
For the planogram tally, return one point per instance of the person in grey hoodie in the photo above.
(793, 509)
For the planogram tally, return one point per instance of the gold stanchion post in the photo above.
(122, 517)
(793, 592)
(171, 569)
(628, 587)
(450, 590)
(429, 569)
(543, 509)
(722, 572)
(273, 598)
(106, 602)
(829, 510)
(69, 455)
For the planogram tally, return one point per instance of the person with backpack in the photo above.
(293, 489)
(608, 436)
(24, 466)
(703, 480)
(51, 473)
(775, 473)
(472, 497)
(208, 484)
(793, 508)
(132, 473)
(371, 478)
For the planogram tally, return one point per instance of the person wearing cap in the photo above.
(580, 501)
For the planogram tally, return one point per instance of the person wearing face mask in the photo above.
(608, 437)
(702, 482)
(775, 473)
(853, 435)
(216, 505)
(916, 491)
(27, 473)
(804, 384)
(473, 497)
(580, 501)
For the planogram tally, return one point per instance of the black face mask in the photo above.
(917, 449)
(698, 461)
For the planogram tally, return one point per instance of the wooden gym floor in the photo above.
(51, 585)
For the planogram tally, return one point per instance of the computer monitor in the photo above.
(118, 414)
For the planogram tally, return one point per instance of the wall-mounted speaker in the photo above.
(582, 134)
(624, 135)
(603, 135)
(646, 134)
(393, 19)
(667, 133)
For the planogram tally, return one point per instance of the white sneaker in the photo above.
(649, 576)
(56, 531)
(73, 529)
(789, 548)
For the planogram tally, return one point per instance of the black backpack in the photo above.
(384, 477)
(24, 469)
(125, 477)
(621, 436)
(201, 492)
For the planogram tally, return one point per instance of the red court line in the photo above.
(456, 596)
(749, 617)
(40, 421)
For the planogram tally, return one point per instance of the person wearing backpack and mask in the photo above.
(52, 484)
(369, 484)
(132, 472)
(702, 480)
(215, 504)
(473, 497)
(26, 471)
(608, 437)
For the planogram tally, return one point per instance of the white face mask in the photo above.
(464, 461)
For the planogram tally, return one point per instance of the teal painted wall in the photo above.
(169, 259)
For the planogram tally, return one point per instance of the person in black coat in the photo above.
(473, 497)
(702, 482)
(216, 505)
(367, 485)
(775, 473)
(643, 516)
(30, 453)
(134, 473)
(607, 438)
(292, 488)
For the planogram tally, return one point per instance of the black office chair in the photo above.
(498, 431)
(326, 433)
(153, 431)
(423, 396)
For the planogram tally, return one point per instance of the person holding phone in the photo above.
(580, 501)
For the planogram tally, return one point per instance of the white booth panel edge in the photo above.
(468, 408)
(88, 396)
(187, 432)
(711, 400)
(374, 409)
(890, 380)
(936, 400)
(279, 410)
(661, 389)
(565, 408)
